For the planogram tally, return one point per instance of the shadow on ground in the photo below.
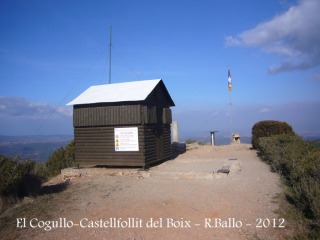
(56, 188)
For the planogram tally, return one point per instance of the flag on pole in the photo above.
(229, 80)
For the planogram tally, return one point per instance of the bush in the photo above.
(23, 178)
(17, 180)
(282, 152)
(60, 159)
(190, 141)
(269, 128)
(299, 163)
(306, 194)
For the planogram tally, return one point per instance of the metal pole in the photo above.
(230, 100)
(213, 138)
(231, 122)
(110, 47)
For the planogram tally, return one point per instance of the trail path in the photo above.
(184, 198)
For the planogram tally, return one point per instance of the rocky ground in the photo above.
(184, 198)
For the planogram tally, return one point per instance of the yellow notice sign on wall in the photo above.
(126, 139)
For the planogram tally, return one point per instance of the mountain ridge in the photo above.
(33, 147)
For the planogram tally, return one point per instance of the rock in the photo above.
(70, 172)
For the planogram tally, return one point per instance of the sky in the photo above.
(52, 51)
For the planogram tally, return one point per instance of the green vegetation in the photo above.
(298, 162)
(315, 143)
(17, 178)
(60, 159)
(268, 128)
(190, 141)
(20, 178)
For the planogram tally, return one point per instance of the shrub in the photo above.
(299, 163)
(282, 152)
(190, 141)
(306, 194)
(60, 159)
(17, 177)
(17, 180)
(23, 178)
(269, 128)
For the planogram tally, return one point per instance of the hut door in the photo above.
(159, 142)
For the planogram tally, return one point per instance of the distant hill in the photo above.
(37, 148)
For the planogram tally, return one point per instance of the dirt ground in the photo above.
(184, 198)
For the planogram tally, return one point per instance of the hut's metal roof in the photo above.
(117, 92)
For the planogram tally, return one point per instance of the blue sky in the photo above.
(51, 51)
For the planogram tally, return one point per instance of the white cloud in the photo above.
(294, 35)
(23, 108)
(263, 110)
(19, 116)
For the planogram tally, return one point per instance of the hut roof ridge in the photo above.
(117, 92)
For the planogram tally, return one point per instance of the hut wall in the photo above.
(88, 116)
(157, 143)
(159, 97)
(96, 146)
(107, 115)
(166, 141)
(166, 116)
(94, 134)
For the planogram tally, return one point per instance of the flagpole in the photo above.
(230, 100)
(110, 47)
(231, 120)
